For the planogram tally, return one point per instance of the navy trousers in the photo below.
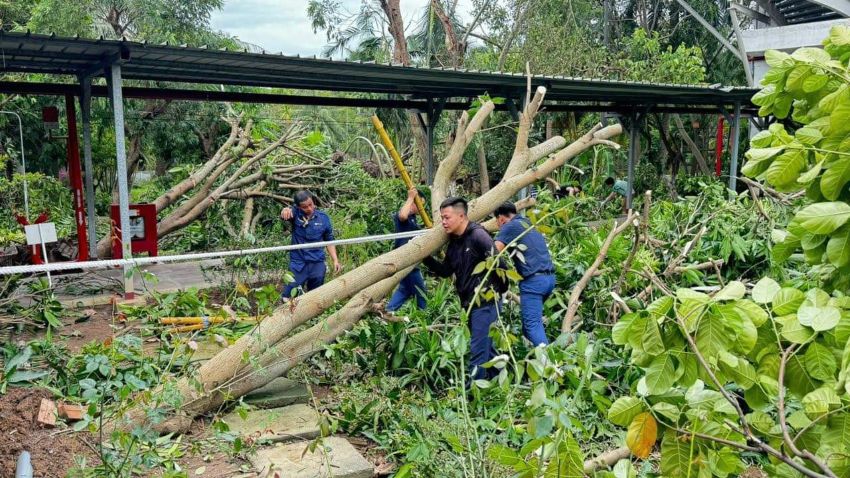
(308, 276)
(413, 285)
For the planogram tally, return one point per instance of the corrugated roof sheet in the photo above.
(36, 53)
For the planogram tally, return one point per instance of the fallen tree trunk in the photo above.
(374, 278)
(606, 460)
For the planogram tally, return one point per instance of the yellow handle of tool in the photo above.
(200, 320)
(388, 143)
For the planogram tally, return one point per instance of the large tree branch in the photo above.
(575, 295)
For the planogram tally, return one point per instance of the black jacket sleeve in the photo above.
(438, 268)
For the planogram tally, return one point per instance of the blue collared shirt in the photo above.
(404, 226)
(305, 230)
(536, 253)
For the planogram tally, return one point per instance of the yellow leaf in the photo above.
(641, 435)
(242, 288)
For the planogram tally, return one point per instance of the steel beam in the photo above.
(634, 137)
(85, 107)
(733, 148)
(121, 166)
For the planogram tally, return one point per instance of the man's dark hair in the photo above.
(302, 196)
(506, 209)
(609, 181)
(455, 202)
(421, 193)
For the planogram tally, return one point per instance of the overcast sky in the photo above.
(283, 26)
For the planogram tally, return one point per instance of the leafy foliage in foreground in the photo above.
(766, 374)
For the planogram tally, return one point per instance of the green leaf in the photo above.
(765, 290)
(712, 337)
(504, 455)
(26, 376)
(751, 311)
(793, 330)
(761, 421)
(761, 154)
(743, 373)
(667, 410)
(811, 174)
(624, 409)
(733, 290)
(778, 59)
(786, 168)
(823, 217)
(661, 374)
(675, 454)
(620, 332)
(838, 247)
(787, 301)
(811, 55)
(808, 136)
(19, 359)
(762, 139)
(820, 362)
(834, 179)
(820, 401)
(646, 336)
(814, 83)
(827, 319)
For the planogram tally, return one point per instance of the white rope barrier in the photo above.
(64, 266)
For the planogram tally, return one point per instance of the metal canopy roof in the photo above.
(35, 53)
(805, 11)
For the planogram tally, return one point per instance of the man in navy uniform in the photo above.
(309, 224)
(413, 285)
(535, 266)
(468, 245)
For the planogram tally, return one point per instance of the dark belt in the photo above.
(541, 273)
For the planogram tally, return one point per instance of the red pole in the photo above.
(75, 174)
(718, 162)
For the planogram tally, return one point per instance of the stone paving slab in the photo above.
(334, 457)
(277, 424)
(280, 392)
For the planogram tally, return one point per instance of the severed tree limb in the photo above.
(606, 460)
(575, 295)
(640, 234)
(691, 145)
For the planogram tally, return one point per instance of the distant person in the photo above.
(618, 187)
(309, 224)
(535, 267)
(568, 191)
(469, 244)
(413, 285)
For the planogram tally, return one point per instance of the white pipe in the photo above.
(138, 261)
(23, 161)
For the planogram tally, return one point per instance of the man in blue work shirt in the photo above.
(469, 244)
(309, 224)
(413, 285)
(535, 266)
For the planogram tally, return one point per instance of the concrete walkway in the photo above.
(99, 287)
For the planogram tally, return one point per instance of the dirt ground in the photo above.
(52, 449)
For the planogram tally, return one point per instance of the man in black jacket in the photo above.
(469, 244)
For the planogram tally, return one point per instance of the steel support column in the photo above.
(634, 138)
(121, 166)
(733, 147)
(85, 107)
(432, 113)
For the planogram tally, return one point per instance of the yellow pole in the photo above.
(388, 143)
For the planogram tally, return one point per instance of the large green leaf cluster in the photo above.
(809, 89)
(739, 339)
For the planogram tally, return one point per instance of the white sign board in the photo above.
(38, 233)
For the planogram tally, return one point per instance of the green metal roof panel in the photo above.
(27, 52)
